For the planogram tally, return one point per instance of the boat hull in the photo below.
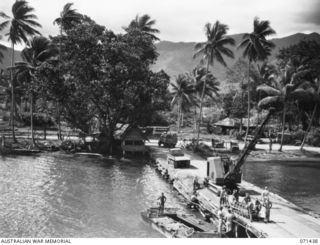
(172, 225)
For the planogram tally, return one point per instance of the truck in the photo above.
(168, 140)
(178, 159)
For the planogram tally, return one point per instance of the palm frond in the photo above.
(4, 24)
(268, 90)
(214, 48)
(4, 15)
(269, 101)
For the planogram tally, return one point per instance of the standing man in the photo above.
(220, 219)
(223, 196)
(229, 220)
(163, 200)
(268, 205)
(265, 194)
(235, 195)
(247, 199)
(196, 185)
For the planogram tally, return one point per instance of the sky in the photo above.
(184, 20)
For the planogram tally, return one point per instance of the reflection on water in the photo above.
(297, 182)
(71, 196)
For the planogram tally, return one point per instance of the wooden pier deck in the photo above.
(287, 219)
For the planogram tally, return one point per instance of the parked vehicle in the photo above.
(168, 140)
(178, 159)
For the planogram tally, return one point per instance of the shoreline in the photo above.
(309, 160)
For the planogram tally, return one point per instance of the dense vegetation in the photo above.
(88, 76)
(95, 80)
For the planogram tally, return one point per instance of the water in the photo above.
(58, 195)
(297, 182)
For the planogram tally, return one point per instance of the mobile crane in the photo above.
(228, 172)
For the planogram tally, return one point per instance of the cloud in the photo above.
(312, 14)
(183, 20)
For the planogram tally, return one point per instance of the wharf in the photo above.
(286, 220)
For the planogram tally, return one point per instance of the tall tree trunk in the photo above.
(248, 123)
(241, 119)
(283, 124)
(59, 121)
(201, 102)
(179, 115)
(195, 118)
(182, 119)
(111, 141)
(12, 96)
(31, 120)
(258, 111)
(59, 77)
(309, 126)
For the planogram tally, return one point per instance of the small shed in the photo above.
(132, 139)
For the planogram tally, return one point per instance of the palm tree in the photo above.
(21, 25)
(68, 18)
(182, 92)
(38, 51)
(200, 76)
(315, 95)
(285, 88)
(144, 24)
(213, 49)
(263, 74)
(256, 47)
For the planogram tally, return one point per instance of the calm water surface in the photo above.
(298, 182)
(60, 195)
(75, 196)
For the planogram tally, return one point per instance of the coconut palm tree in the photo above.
(256, 47)
(213, 49)
(262, 74)
(68, 18)
(183, 95)
(145, 25)
(286, 88)
(200, 76)
(38, 51)
(315, 95)
(21, 25)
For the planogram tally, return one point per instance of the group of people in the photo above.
(231, 200)
(253, 207)
(227, 219)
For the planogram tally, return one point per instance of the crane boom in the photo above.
(235, 170)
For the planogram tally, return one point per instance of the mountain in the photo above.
(6, 61)
(175, 58)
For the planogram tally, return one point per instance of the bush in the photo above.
(297, 136)
(39, 120)
(314, 138)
